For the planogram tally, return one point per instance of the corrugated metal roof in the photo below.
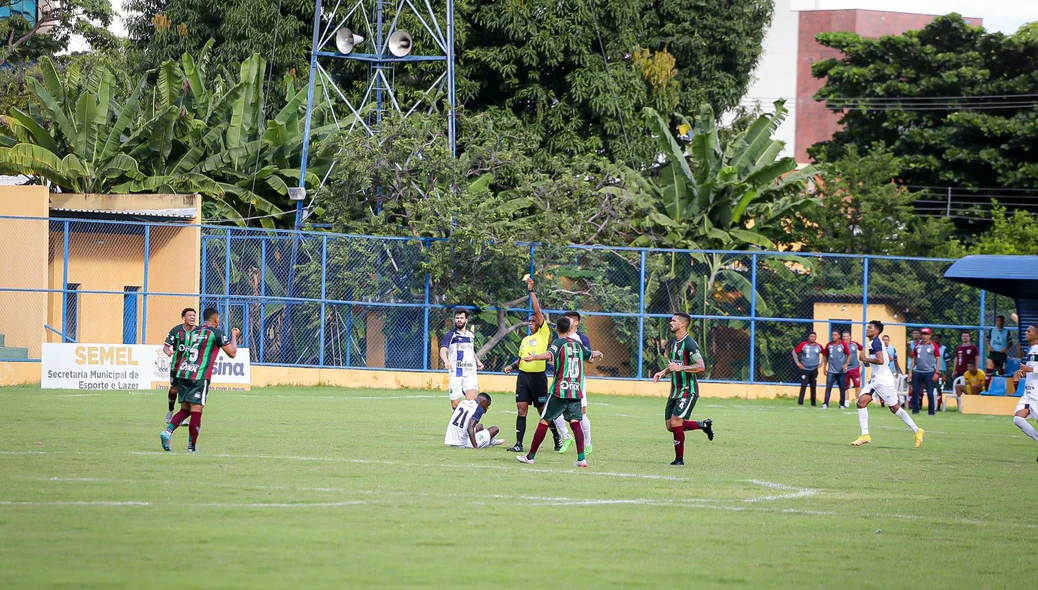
(183, 213)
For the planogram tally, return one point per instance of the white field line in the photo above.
(132, 503)
(796, 492)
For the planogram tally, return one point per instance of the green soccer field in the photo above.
(321, 487)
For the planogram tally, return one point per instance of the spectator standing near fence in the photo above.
(808, 355)
(853, 368)
(836, 353)
(926, 355)
(965, 353)
(944, 356)
(910, 362)
(999, 341)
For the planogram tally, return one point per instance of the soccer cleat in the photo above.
(558, 447)
(919, 438)
(861, 440)
(825, 406)
(164, 437)
(566, 444)
(678, 462)
(524, 459)
(186, 422)
(517, 448)
(582, 463)
(708, 428)
(497, 442)
(587, 450)
(169, 416)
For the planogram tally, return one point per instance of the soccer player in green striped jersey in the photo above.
(174, 348)
(685, 363)
(201, 347)
(565, 393)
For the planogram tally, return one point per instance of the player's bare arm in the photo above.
(167, 349)
(696, 367)
(538, 315)
(472, 433)
(796, 360)
(544, 356)
(443, 359)
(231, 349)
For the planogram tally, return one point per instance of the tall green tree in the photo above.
(946, 99)
(862, 210)
(161, 30)
(1010, 234)
(543, 60)
(26, 37)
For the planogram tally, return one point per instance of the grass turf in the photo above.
(321, 487)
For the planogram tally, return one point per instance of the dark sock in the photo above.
(679, 444)
(578, 437)
(195, 426)
(692, 425)
(554, 432)
(538, 438)
(177, 419)
(172, 399)
(520, 429)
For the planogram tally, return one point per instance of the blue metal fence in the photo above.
(321, 299)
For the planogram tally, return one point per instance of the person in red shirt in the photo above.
(965, 354)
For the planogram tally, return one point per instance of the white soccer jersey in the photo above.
(1031, 381)
(881, 374)
(461, 351)
(458, 427)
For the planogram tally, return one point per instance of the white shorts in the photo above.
(583, 401)
(457, 386)
(1029, 403)
(482, 441)
(887, 393)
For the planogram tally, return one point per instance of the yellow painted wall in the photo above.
(852, 311)
(170, 270)
(24, 247)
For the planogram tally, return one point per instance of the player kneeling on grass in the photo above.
(464, 430)
(566, 391)
(685, 362)
(201, 347)
(1028, 405)
(882, 384)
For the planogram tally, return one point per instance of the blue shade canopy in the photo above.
(1010, 276)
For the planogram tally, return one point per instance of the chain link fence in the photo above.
(334, 300)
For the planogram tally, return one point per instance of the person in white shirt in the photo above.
(1028, 406)
(881, 385)
(458, 355)
(464, 430)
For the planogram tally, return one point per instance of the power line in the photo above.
(933, 107)
(938, 98)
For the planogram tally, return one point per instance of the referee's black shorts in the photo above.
(531, 388)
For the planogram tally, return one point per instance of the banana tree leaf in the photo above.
(120, 165)
(33, 160)
(53, 109)
(32, 129)
(86, 131)
(750, 237)
(127, 115)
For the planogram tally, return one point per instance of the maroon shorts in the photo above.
(854, 377)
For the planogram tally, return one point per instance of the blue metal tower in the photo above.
(389, 46)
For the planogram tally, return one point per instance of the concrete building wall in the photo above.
(24, 246)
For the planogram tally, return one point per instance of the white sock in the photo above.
(863, 420)
(1024, 426)
(585, 425)
(901, 413)
(560, 425)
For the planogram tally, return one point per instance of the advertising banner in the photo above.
(128, 367)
